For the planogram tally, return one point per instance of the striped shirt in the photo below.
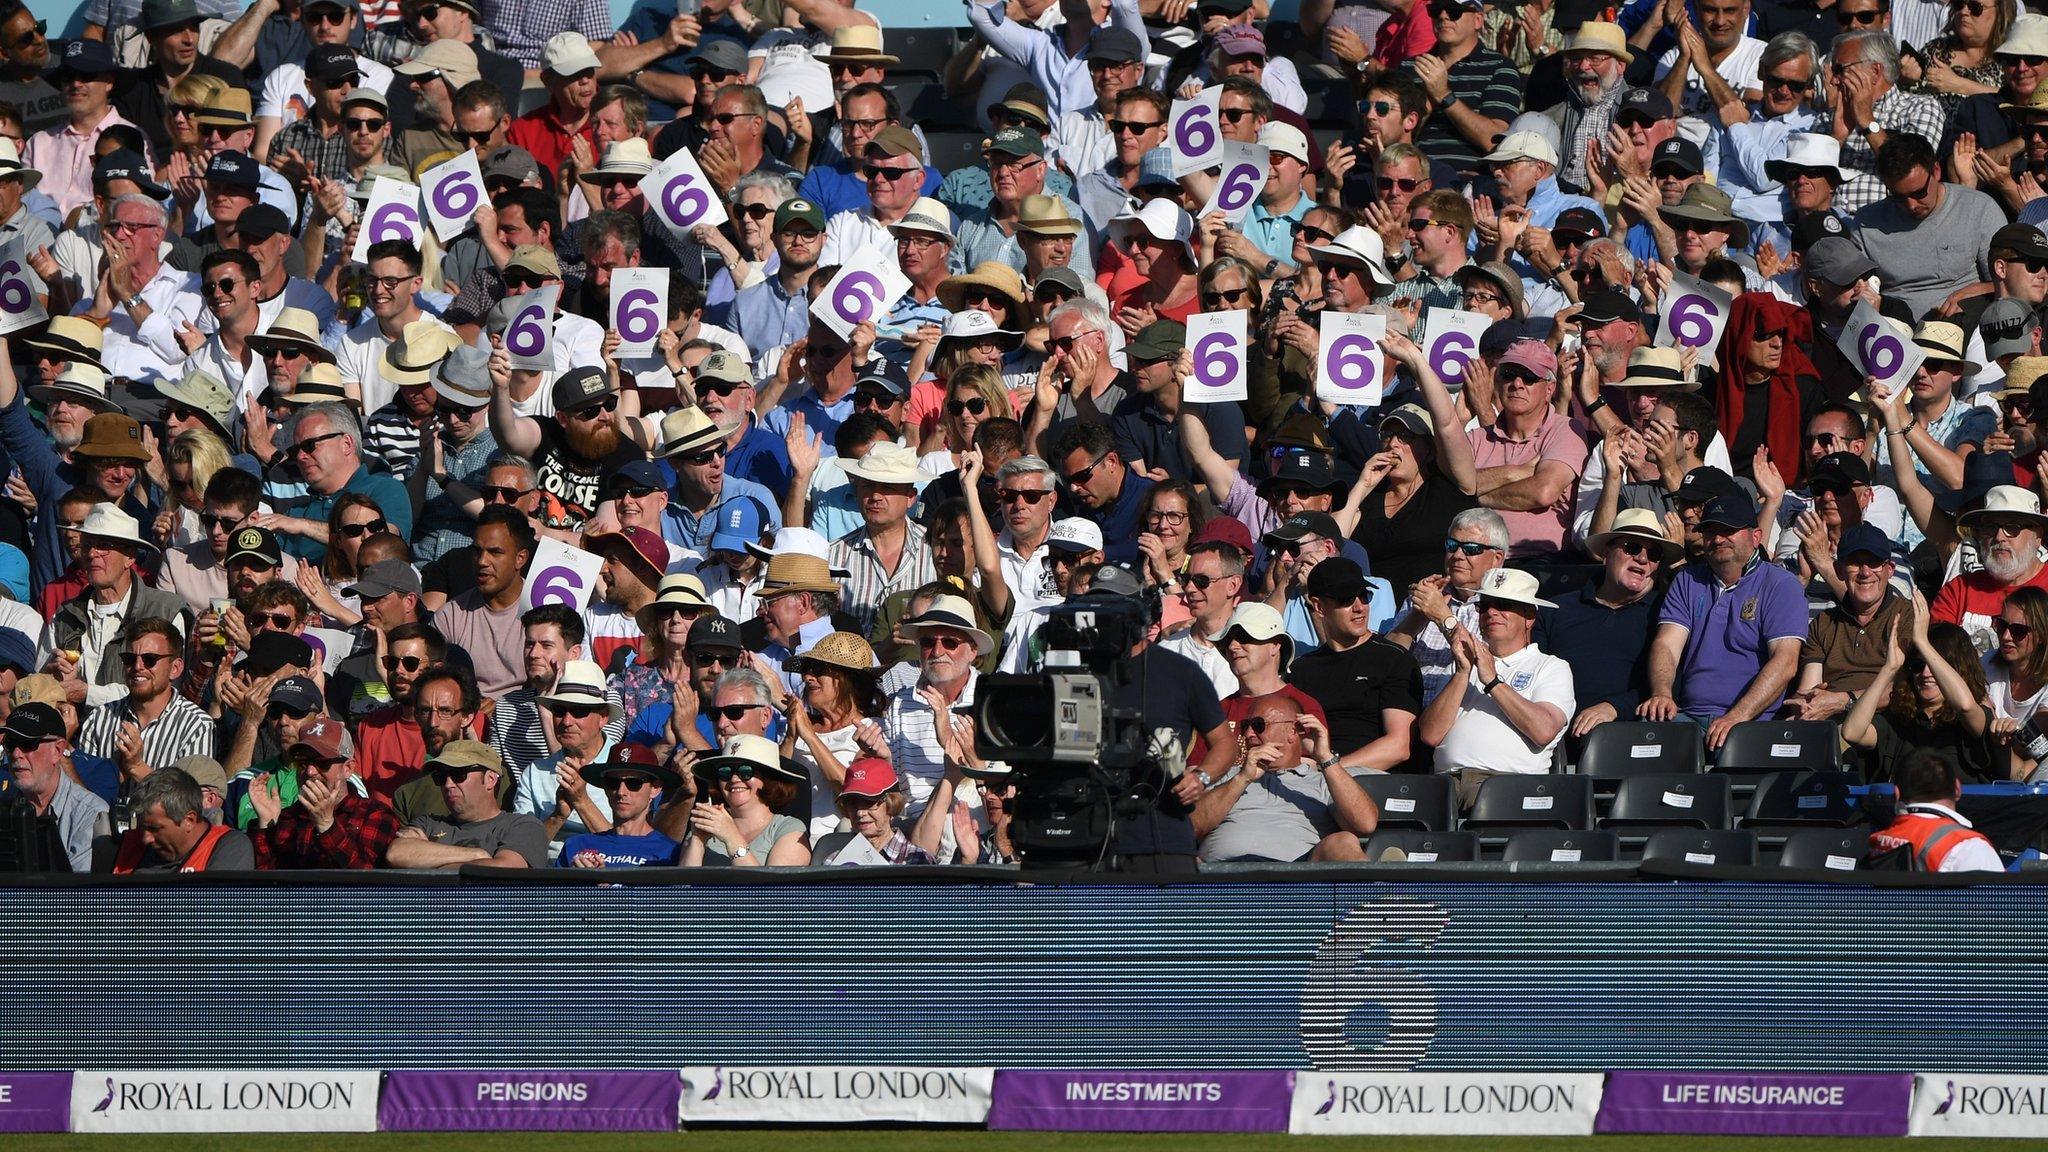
(181, 729)
(868, 582)
(516, 730)
(1486, 82)
(393, 438)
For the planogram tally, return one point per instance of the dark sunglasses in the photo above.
(498, 494)
(1027, 495)
(1468, 547)
(1234, 114)
(719, 387)
(330, 17)
(1786, 82)
(454, 775)
(146, 659)
(1256, 725)
(756, 211)
(284, 711)
(1134, 127)
(973, 404)
(725, 119)
(635, 491)
(2006, 627)
(867, 398)
(1228, 298)
(223, 284)
(1845, 19)
(708, 456)
(715, 660)
(364, 123)
(282, 621)
(733, 711)
(214, 523)
(727, 772)
(1081, 476)
(476, 139)
(366, 528)
(877, 172)
(582, 711)
(18, 744)
(624, 783)
(605, 407)
(1200, 581)
(407, 663)
(1629, 547)
(942, 643)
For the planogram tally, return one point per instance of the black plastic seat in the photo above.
(1722, 846)
(1796, 798)
(1427, 803)
(1687, 800)
(1839, 849)
(1620, 749)
(1532, 801)
(1424, 847)
(919, 50)
(1561, 846)
(1781, 746)
(954, 149)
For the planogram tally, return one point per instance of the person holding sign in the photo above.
(1531, 455)
(573, 450)
(1146, 425)
(1937, 430)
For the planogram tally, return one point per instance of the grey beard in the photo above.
(2005, 570)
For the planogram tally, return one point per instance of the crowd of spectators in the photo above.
(269, 595)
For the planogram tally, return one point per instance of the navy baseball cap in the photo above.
(124, 164)
(1703, 484)
(88, 58)
(715, 631)
(237, 168)
(260, 222)
(636, 473)
(1864, 538)
(1678, 153)
(1731, 509)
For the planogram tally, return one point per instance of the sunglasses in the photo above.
(877, 172)
(523, 281)
(635, 491)
(714, 660)
(2008, 628)
(325, 17)
(148, 660)
(282, 621)
(1845, 19)
(406, 663)
(1032, 496)
(623, 783)
(17, 744)
(1257, 725)
(605, 407)
(1082, 476)
(719, 387)
(1131, 127)
(366, 528)
(477, 139)
(2011, 61)
(364, 123)
(306, 447)
(1378, 107)
(1789, 83)
(1228, 299)
(454, 775)
(708, 456)
(1967, 8)
(973, 405)
(1316, 235)
(498, 494)
(725, 119)
(1632, 547)
(1234, 114)
(1293, 547)
(1200, 581)
(731, 773)
(582, 711)
(223, 285)
(756, 211)
(1468, 547)
(869, 399)
(733, 711)
(942, 643)
(214, 523)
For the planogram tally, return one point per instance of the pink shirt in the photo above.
(1404, 37)
(64, 157)
(1533, 533)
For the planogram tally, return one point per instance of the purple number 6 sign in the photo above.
(858, 297)
(1351, 361)
(637, 318)
(14, 294)
(395, 221)
(1240, 184)
(1692, 320)
(1882, 353)
(1194, 131)
(527, 334)
(557, 584)
(684, 202)
(457, 194)
(1215, 360)
(1449, 354)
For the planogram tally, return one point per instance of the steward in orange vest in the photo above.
(1929, 832)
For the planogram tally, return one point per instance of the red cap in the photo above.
(327, 738)
(1229, 530)
(647, 546)
(869, 776)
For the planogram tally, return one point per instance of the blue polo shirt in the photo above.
(1608, 648)
(819, 417)
(383, 488)
(1119, 521)
(767, 317)
(1274, 233)
(1729, 632)
(837, 187)
(760, 457)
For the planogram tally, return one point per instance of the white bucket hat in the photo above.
(887, 463)
(1361, 245)
(2004, 500)
(1808, 150)
(973, 324)
(1514, 586)
(582, 686)
(1161, 219)
(949, 612)
(107, 522)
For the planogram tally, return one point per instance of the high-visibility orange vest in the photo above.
(1930, 837)
(132, 849)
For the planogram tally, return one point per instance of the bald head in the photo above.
(1275, 719)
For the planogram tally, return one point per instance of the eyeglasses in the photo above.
(210, 521)
(1313, 235)
(1468, 547)
(756, 211)
(435, 711)
(2010, 61)
(1233, 115)
(2009, 628)
(426, 12)
(727, 772)
(1227, 298)
(1081, 476)
(1629, 547)
(720, 387)
(389, 283)
(223, 285)
(454, 775)
(404, 663)
(725, 119)
(597, 411)
(148, 660)
(635, 491)
(36, 31)
(1256, 725)
(1032, 496)
(2002, 528)
(286, 352)
(998, 161)
(364, 123)
(1166, 516)
(1200, 581)
(1131, 127)
(1845, 19)
(582, 711)
(733, 711)
(523, 281)
(1967, 8)
(878, 172)
(1420, 222)
(130, 227)
(624, 783)
(476, 139)
(870, 399)
(365, 528)
(1918, 194)
(307, 447)
(942, 643)
(1824, 440)
(715, 660)
(498, 494)
(312, 17)
(1788, 82)
(973, 405)
(865, 125)
(1481, 296)
(282, 621)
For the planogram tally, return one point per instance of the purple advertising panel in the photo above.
(1142, 1101)
(443, 1101)
(1756, 1103)
(35, 1101)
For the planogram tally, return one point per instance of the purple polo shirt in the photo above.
(1729, 632)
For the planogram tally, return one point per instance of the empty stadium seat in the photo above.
(925, 104)
(1619, 749)
(923, 50)
(1561, 846)
(1424, 847)
(1711, 846)
(1533, 801)
(954, 149)
(1422, 802)
(1674, 800)
(1781, 746)
(1840, 849)
(1803, 798)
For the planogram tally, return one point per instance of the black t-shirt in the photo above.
(1174, 696)
(1410, 544)
(572, 487)
(1355, 685)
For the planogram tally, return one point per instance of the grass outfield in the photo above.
(921, 1140)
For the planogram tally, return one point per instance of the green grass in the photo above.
(920, 1140)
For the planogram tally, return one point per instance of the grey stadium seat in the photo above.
(1781, 746)
(922, 50)
(1689, 800)
(1424, 847)
(1619, 749)
(1794, 798)
(1839, 849)
(1561, 846)
(1421, 802)
(1721, 846)
(1533, 801)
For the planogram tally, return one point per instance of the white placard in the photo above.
(1244, 176)
(639, 308)
(678, 192)
(1695, 315)
(530, 337)
(560, 574)
(865, 289)
(452, 192)
(331, 645)
(1194, 131)
(219, 1101)
(1538, 803)
(19, 307)
(393, 213)
(1450, 340)
(1428, 1103)
(1216, 344)
(1677, 800)
(1882, 348)
(829, 1094)
(1350, 368)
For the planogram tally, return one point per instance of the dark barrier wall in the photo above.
(1431, 975)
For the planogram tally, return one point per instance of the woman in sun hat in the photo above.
(835, 719)
(738, 823)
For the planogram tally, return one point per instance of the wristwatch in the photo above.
(1270, 266)
(740, 853)
(1489, 685)
(132, 301)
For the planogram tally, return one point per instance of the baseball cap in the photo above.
(1286, 138)
(1226, 530)
(1159, 340)
(298, 693)
(1413, 419)
(886, 375)
(2007, 327)
(1836, 260)
(715, 631)
(1646, 102)
(1315, 470)
(1532, 355)
(1703, 484)
(1014, 141)
(568, 53)
(1864, 538)
(1340, 579)
(720, 54)
(1608, 306)
(1679, 153)
(1304, 524)
(1579, 222)
(454, 60)
(88, 58)
(326, 738)
(382, 579)
(332, 63)
(739, 524)
(260, 543)
(640, 473)
(124, 164)
(869, 777)
(1241, 40)
(236, 168)
(1731, 509)
(538, 259)
(1114, 46)
(2022, 240)
(205, 771)
(797, 208)
(511, 162)
(581, 385)
(34, 722)
(260, 222)
(1075, 534)
(895, 140)
(269, 651)
(1838, 470)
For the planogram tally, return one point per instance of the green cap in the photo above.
(799, 208)
(1016, 142)
(1159, 340)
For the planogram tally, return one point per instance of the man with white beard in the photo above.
(2008, 531)
(1594, 60)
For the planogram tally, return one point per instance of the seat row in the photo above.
(1840, 849)
(1702, 800)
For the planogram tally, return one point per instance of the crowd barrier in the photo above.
(1308, 1103)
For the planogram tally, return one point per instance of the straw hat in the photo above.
(72, 338)
(1600, 36)
(12, 167)
(80, 382)
(108, 522)
(681, 590)
(319, 384)
(797, 572)
(1639, 524)
(887, 463)
(1046, 216)
(858, 44)
(412, 361)
(1360, 245)
(1942, 340)
(1656, 368)
(687, 430)
(294, 328)
(950, 612)
(2006, 501)
(629, 157)
(991, 274)
(581, 685)
(840, 650)
(749, 751)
